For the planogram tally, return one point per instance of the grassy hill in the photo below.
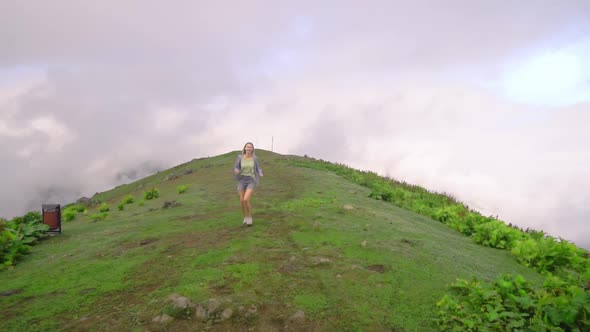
(319, 245)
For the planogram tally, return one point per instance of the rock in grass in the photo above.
(170, 204)
(321, 260)
(213, 305)
(172, 297)
(226, 314)
(298, 317)
(200, 312)
(252, 311)
(181, 302)
(162, 319)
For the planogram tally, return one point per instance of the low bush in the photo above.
(496, 234)
(546, 254)
(18, 235)
(104, 207)
(69, 214)
(151, 194)
(512, 304)
(99, 216)
(182, 188)
(128, 200)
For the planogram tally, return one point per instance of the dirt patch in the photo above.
(377, 268)
(123, 247)
(170, 204)
(147, 241)
(56, 293)
(409, 242)
(201, 240)
(87, 290)
(222, 289)
(10, 292)
(288, 268)
(268, 317)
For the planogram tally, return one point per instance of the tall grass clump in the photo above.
(99, 216)
(128, 200)
(151, 194)
(104, 207)
(182, 188)
(70, 212)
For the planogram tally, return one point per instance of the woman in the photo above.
(248, 172)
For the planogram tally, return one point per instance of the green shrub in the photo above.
(548, 255)
(77, 207)
(444, 214)
(151, 194)
(511, 304)
(128, 199)
(69, 214)
(30, 217)
(381, 192)
(104, 207)
(11, 247)
(99, 216)
(17, 236)
(182, 188)
(467, 224)
(33, 217)
(141, 202)
(496, 234)
(121, 206)
(31, 232)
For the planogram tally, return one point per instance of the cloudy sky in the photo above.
(488, 100)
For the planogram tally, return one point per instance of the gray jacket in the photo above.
(257, 169)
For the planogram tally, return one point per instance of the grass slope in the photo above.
(372, 267)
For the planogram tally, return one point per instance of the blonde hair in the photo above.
(244, 148)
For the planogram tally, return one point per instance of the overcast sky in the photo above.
(486, 100)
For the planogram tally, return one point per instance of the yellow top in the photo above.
(247, 167)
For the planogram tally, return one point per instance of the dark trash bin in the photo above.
(52, 217)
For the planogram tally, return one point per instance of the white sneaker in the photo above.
(245, 221)
(249, 221)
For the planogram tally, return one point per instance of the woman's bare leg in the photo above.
(248, 207)
(242, 202)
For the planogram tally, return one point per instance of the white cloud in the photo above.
(7, 130)
(166, 121)
(59, 134)
(412, 90)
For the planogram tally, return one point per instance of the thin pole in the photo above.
(272, 143)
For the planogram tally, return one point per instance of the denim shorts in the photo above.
(246, 182)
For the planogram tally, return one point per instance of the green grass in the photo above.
(372, 267)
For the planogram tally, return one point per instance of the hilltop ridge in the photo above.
(325, 253)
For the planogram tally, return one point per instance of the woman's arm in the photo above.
(238, 166)
(258, 166)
